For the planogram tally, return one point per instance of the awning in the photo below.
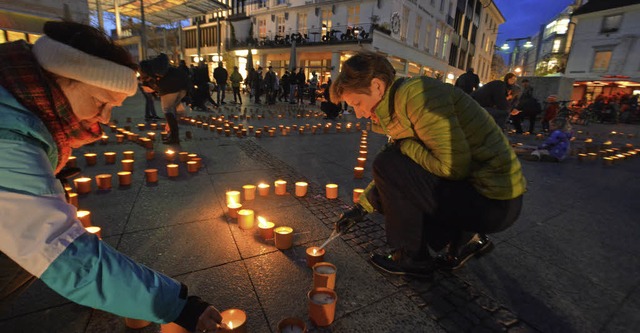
(162, 11)
(22, 22)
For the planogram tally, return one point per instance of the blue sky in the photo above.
(524, 17)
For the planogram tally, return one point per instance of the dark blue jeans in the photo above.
(423, 211)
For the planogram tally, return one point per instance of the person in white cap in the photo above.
(53, 96)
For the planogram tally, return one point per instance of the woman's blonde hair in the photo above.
(357, 73)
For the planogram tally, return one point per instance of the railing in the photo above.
(315, 36)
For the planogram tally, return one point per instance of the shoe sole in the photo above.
(482, 251)
(416, 275)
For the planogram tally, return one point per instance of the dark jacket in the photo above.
(492, 95)
(173, 81)
(221, 75)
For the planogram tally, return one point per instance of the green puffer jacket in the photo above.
(450, 135)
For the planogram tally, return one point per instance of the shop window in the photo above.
(601, 61)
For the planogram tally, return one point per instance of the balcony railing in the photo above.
(353, 34)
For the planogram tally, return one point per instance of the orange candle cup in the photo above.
(322, 306)
(245, 219)
(94, 230)
(109, 157)
(104, 181)
(192, 166)
(314, 256)
(151, 136)
(292, 325)
(150, 155)
(232, 209)
(170, 155)
(127, 165)
(358, 172)
(301, 189)
(363, 153)
(184, 156)
(90, 158)
(266, 228)
(172, 170)
(72, 162)
(85, 217)
(136, 323)
(324, 275)
(127, 155)
(280, 187)
(73, 199)
(124, 178)
(283, 237)
(361, 162)
(104, 139)
(233, 320)
(141, 127)
(198, 161)
(263, 189)
(151, 175)
(249, 192)
(83, 185)
(119, 138)
(357, 192)
(332, 191)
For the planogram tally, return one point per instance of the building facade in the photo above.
(603, 59)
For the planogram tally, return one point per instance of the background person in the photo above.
(53, 96)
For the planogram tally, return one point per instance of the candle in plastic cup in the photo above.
(232, 209)
(358, 172)
(127, 155)
(266, 228)
(249, 192)
(151, 175)
(280, 187)
(322, 306)
(245, 219)
(324, 275)
(233, 320)
(103, 181)
(232, 196)
(292, 325)
(124, 178)
(263, 189)
(332, 191)
(90, 158)
(94, 230)
(172, 170)
(127, 165)
(301, 189)
(283, 237)
(82, 184)
(109, 157)
(357, 192)
(314, 255)
(85, 217)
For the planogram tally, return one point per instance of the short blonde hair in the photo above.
(357, 73)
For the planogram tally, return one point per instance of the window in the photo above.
(302, 23)
(353, 15)
(611, 23)
(280, 25)
(325, 19)
(444, 44)
(262, 28)
(601, 61)
(416, 33)
(427, 35)
(436, 45)
(404, 27)
(441, 6)
(556, 46)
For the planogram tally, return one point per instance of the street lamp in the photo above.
(516, 48)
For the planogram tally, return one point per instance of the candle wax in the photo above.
(325, 270)
(291, 329)
(322, 298)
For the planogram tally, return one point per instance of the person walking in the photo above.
(313, 86)
(293, 86)
(221, 76)
(301, 79)
(50, 105)
(468, 82)
(236, 79)
(444, 151)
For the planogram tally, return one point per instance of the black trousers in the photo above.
(424, 211)
(13, 280)
(517, 121)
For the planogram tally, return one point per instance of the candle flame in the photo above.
(169, 151)
(232, 201)
(315, 251)
(230, 325)
(262, 222)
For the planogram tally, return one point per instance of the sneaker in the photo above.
(453, 259)
(398, 263)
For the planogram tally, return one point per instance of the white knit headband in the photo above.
(69, 62)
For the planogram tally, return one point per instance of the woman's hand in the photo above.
(209, 320)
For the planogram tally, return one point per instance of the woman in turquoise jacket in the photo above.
(447, 177)
(53, 95)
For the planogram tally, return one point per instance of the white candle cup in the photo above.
(72, 162)
(332, 191)
(245, 219)
(280, 187)
(358, 172)
(192, 166)
(73, 199)
(283, 237)
(183, 156)
(263, 189)
(232, 196)
(301, 189)
(361, 161)
(249, 192)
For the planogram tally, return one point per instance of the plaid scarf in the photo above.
(38, 92)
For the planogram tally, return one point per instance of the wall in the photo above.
(545, 86)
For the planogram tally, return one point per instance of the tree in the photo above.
(498, 67)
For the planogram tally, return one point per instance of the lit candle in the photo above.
(124, 178)
(73, 198)
(104, 139)
(249, 192)
(90, 158)
(127, 165)
(172, 170)
(324, 275)
(151, 136)
(357, 192)
(322, 306)
(232, 209)
(332, 191)
(363, 153)
(85, 217)
(314, 255)
(233, 320)
(361, 162)
(263, 189)
(146, 142)
(154, 126)
(94, 230)
(358, 172)
(71, 162)
(151, 175)
(283, 237)
(301, 189)
(103, 181)
(232, 196)
(113, 128)
(109, 157)
(245, 219)
(198, 161)
(170, 155)
(184, 156)
(127, 155)
(582, 157)
(607, 160)
(280, 187)
(120, 138)
(83, 185)
(266, 228)
(192, 166)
